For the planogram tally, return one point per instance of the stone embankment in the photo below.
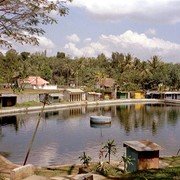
(6, 167)
(16, 110)
(172, 101)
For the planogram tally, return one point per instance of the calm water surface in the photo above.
(63, 135)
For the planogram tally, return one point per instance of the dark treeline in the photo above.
(129, 73)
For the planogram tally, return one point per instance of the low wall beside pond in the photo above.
(21, 98)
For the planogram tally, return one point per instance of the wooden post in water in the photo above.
(45, 101)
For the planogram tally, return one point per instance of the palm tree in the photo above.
(85, 159)
(110, 148)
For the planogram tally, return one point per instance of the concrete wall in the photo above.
(22, 172)
(27, 97)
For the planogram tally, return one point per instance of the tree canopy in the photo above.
(129, 73)
(20, 20)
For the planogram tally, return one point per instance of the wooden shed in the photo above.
(93, 96)
(143, 154)
(123, 95)
(74, 95)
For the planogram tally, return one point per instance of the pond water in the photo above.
(63, 135)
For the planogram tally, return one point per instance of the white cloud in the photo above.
(129, 42)
(73, 38)
(44, 44)
(87, 40)
(151, 31)
(71, 47)
(165, 11)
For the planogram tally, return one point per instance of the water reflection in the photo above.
(9, 120)
(133, 117)
(64, 134)
(100, 127)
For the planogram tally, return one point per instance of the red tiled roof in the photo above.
(35, 80)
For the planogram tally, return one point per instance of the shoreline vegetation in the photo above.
(37, 106)
(169, 169)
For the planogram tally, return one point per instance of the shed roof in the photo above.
(94, 93)
(167, 92)
(175, 92)
(56, 94)
(75, 90)
(143, 145)
(7, 95)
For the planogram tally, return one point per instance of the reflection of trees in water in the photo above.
(1, 134)
(15, 121)
(173, 116)
(76, 112)
(10, 121)
(123, 113)
(147, 116)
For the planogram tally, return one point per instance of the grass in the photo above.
(28, 91)
(167, 173)
(113, 172)
(173, 161)
(29, 104)
(57, 171)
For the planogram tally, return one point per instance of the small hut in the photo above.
(144, 155)
(74, 95)
(8, 99)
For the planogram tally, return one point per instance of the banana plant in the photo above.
(85, 159)
(110, 148)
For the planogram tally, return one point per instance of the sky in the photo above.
(142, 28)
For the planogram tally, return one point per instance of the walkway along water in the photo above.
(15, 110)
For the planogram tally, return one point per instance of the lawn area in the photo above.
(167, 173)
(28, 91)
(114, 172)
(173, 161)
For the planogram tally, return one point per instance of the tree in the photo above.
(21, 19)
(10, 66)
(61, 55)
(85, 159)
(110, 148)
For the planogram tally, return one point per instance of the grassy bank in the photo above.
(172, 171)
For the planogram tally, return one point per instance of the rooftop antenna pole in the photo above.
(45, 101)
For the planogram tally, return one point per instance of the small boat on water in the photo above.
(100, 119)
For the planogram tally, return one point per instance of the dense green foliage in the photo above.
(129, 73)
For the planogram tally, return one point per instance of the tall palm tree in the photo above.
(154, 62)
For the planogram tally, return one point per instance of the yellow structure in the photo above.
(139, 95)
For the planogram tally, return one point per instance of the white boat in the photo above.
(100, 119)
